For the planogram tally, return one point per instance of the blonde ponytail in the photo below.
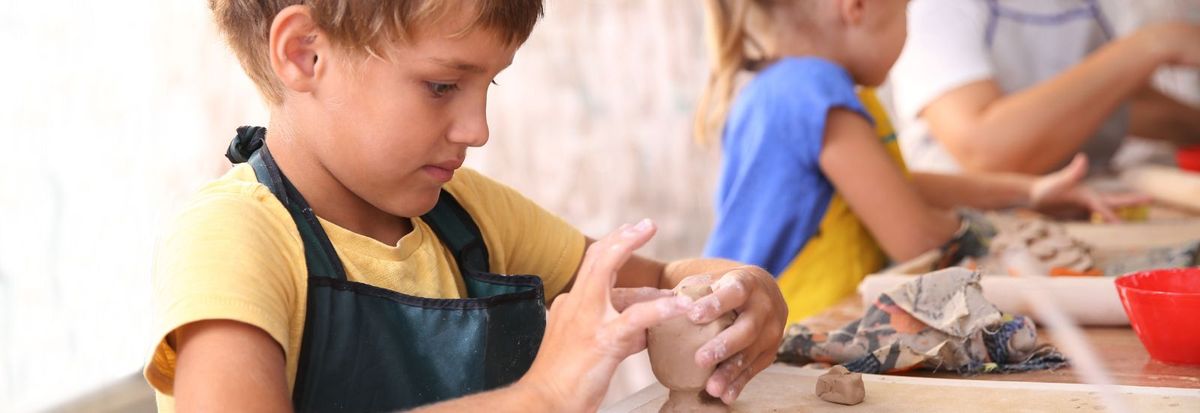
(732, 49)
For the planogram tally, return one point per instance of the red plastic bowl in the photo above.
(1164, 308)
(1188, 158)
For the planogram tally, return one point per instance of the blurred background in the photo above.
(112, 114)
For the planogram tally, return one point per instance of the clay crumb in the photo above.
(840, 386)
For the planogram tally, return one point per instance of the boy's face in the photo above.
(396, 128)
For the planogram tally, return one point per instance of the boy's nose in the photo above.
(471, 130)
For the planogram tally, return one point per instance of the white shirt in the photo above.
(1017, 43)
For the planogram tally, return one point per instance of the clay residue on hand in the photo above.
(839, 385)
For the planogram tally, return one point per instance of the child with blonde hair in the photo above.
(812, 186)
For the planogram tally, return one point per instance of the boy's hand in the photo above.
(1065, 189)
(749, 345)
(587, 335)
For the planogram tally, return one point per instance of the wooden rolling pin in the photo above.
(1168, 185)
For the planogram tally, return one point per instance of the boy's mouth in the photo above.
(443, 171)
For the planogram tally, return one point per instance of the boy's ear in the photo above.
(295, 46)
(852, 11)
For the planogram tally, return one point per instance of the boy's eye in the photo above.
(441, 89)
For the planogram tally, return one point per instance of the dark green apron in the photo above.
(367, 348)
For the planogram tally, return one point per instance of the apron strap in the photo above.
(1105, 26)
(1091, 8)
(249, 146)
(454, 226)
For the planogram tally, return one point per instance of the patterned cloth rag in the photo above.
(938, 321)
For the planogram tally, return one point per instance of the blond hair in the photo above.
(358, 25)
(735, 44)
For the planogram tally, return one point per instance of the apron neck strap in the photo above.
(454, 226)
(249, 146)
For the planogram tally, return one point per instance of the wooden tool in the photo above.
(1169, 185)
(1090, 301)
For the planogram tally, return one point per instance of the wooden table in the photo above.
(1123, 356)
(782, 388)
(1143, 385)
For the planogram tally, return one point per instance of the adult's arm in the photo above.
(1036, 129)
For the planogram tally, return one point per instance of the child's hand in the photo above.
(749, 345)
(1065, 189)
(587, 335)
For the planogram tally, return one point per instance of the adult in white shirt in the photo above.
(1023, 85)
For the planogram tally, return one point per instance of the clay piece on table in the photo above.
(1048, 242)
(672, 346)
(840, 386)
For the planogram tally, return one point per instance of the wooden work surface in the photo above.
(1142, 385)
(1118, 348)
(782, 388)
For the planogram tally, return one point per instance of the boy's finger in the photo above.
(590, 254)
(731, 392)
(609, 254)
(632, 323)
(734, 339)
(728, 293)
(622, 298)
(723, 376)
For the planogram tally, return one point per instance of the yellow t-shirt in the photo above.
(234, 253)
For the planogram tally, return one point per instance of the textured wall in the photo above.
(592, 119)
(108, 118)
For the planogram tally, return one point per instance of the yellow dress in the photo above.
(841, 252)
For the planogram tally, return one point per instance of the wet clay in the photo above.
(840, 386)
(672, 346)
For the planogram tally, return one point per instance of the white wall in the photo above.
(110, 114)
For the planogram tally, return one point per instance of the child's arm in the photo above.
(1061, 189)
(1037, 128)
(225, 365)
(872, 184)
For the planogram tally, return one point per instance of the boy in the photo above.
(347, 264)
